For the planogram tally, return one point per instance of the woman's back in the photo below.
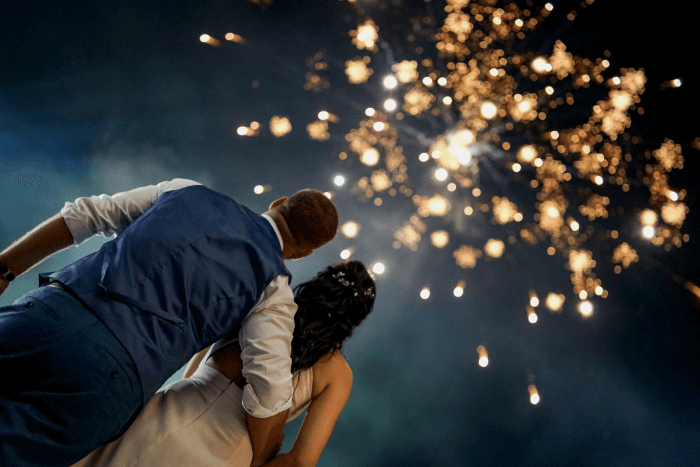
(194, 422)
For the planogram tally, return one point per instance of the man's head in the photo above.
(307, 220)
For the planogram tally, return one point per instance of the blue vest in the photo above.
(181, 276)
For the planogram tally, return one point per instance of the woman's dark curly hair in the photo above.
(330, 305)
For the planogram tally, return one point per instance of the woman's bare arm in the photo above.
(332, 383)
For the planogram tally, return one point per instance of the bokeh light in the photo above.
(390, 82)
(459, 289)
(534, 394)
(585, 308)
(378, 268)
(425, 293)
(532, 315)
(347, 253)
(390, 105)
(483, 356)
(350, 229)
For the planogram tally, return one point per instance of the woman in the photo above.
(199, 421)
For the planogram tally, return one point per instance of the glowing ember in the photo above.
(439, 238)
(488, 110)
(625, 255)
(585, 308)
(425, 293)
(318, 130)
(350, 229)
(532, 315)
(648, 217)
(504, 211)
(357, 70)
(390, 82)
(380, 180)
(534, 395)
(207, 39)
(280, 126)
(234, 38)
(494, 248)
(527, 154)
(435, 206)
(378, 268)
(365, 36)
(370, 156)
(459, 289)
(406, 71)
(674, 213)
(346, 253)
(554, 302)
(483, 356)
(416, 101)
(466, 256)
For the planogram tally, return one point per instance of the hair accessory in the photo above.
(342, 281)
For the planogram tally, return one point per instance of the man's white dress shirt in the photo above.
(265, 336)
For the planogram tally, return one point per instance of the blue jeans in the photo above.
(66, 384)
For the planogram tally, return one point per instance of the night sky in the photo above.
(105, 97)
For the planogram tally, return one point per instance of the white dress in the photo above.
(194, 422)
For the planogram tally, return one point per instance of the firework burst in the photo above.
(544, 136)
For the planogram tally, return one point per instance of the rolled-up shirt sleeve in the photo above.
(265, 338)
(110, 214)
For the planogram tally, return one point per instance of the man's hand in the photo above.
(42, 241)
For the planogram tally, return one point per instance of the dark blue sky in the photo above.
(106, 97)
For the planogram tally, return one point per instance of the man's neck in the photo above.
(273, 223)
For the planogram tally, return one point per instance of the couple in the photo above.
(188, 268)
(199, 420)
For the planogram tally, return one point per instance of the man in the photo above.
(79, 357)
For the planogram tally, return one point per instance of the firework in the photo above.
(499, 105)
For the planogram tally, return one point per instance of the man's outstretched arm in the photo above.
(80, 220)
(44, 240)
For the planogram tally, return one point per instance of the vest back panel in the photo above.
(182, 275)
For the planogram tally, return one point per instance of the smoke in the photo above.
(123, 167)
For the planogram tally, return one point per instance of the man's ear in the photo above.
(277, 202)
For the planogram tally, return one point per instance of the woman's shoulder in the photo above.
(331, 370)
(333, 361)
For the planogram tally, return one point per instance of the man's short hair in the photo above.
(311, 217)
